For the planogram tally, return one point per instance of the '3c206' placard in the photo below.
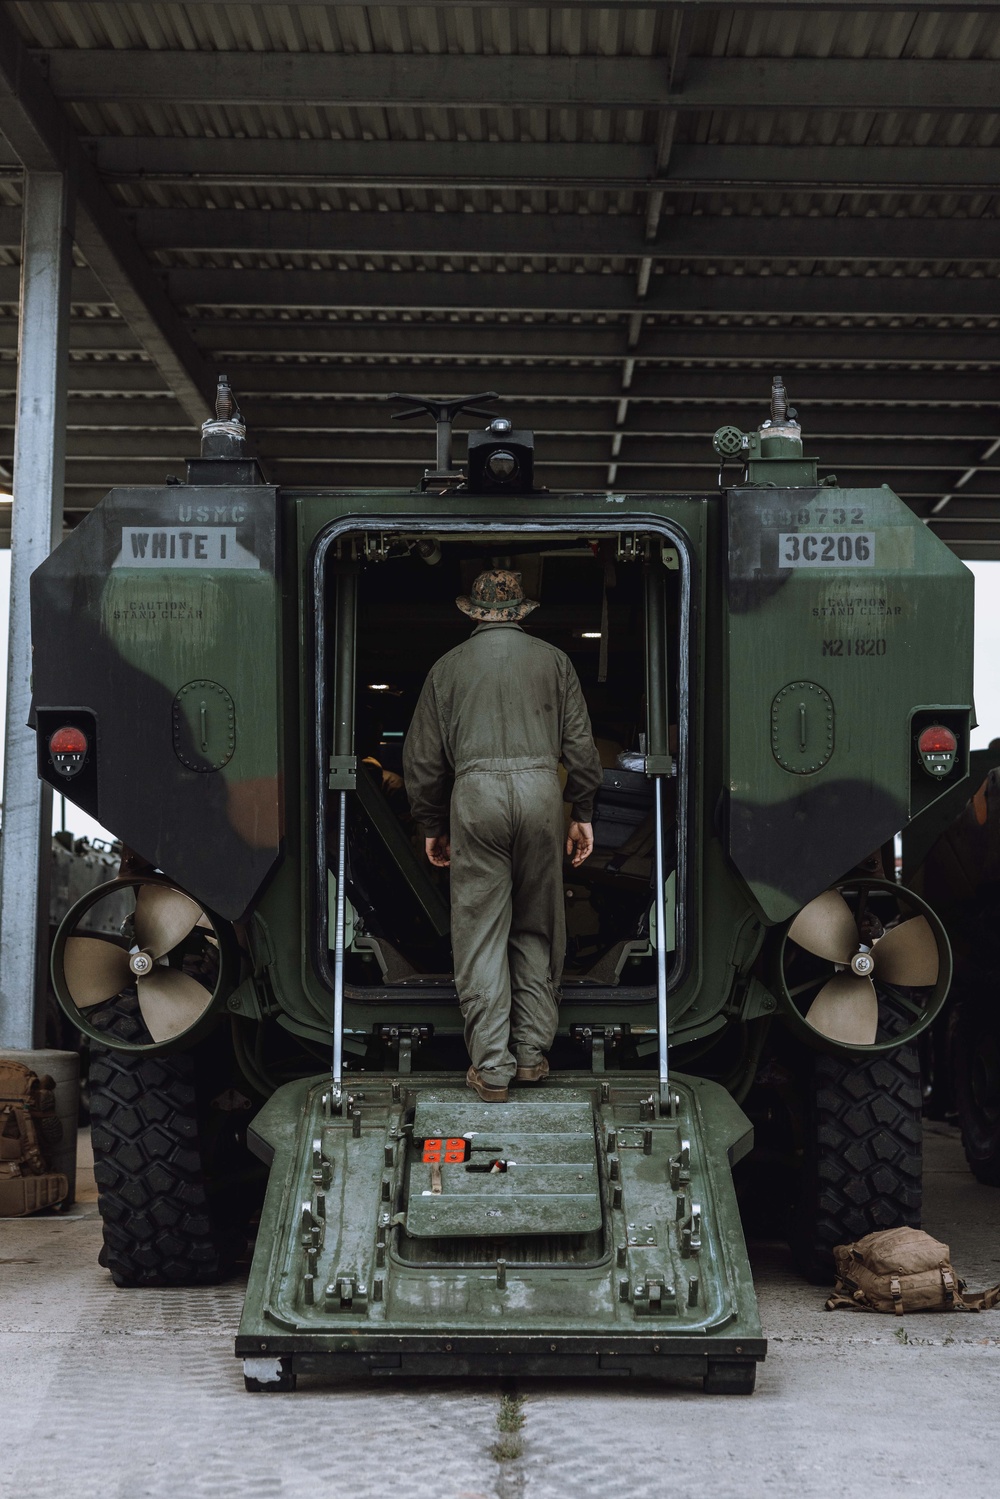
(826, 549)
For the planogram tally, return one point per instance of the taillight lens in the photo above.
(937, 747)
(68, 751)
(68, 741)
(937, 740)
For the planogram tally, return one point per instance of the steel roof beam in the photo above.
(371, 163)
(389, 80)
(107, 415)
(556, 165)
(552, 384)
(833, 169)
(679, 5)
(488, 291)
(446, 80)
(913, 344)
(43, 139)
(555, 384)
(567, 235)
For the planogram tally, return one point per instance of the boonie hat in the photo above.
(497, 598)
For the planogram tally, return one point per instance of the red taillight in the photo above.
(937, 740)
(68, 751)
(68, 741)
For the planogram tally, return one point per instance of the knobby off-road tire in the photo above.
(862, 1157)
(976, 1069)
(176, 1184)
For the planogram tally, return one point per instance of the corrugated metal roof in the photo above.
(627, 275)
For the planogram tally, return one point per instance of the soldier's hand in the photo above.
(580, 842)
(439, 850)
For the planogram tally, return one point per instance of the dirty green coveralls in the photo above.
(480, 762)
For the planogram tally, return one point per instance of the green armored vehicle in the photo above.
(779, 679)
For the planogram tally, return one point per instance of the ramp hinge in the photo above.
(346, 1293)
(598, 1040)
(403, 1039)
(691, 1232)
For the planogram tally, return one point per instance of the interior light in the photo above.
(379, 687)
(590, 634)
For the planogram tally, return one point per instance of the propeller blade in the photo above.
(908, 954)
(95, 970)
(163, 917)
(170, 1001)
(827, 928)
(846, 1009)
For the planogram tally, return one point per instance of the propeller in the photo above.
(170, 1001)
(846, 1007)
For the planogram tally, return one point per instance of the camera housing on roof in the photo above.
(501, 458)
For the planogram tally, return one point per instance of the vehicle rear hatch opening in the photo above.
(618, 606)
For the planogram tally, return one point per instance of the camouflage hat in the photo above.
(497, 598)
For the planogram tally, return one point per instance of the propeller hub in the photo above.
(140, 963)
(863, 964)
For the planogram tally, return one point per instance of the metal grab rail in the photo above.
(343, 746)
(658, 765)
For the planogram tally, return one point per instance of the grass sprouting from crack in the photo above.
(507, 1450)
(510, 1418)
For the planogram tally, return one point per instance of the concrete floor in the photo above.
(128, 1394)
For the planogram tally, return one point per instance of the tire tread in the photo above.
(152, 1191)
(863, 1155)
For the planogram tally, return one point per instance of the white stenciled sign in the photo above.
(183, 546)
(826, 549)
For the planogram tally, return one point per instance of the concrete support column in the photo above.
(36, 525)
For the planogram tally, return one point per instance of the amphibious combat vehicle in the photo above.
(779, 679)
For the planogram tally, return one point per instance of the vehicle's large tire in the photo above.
(862, 1157)
(976, 1070)
(176, 1183)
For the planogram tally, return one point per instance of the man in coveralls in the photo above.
(480, 761)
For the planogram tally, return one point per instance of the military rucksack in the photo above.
(29, 1129)
(902, 1270)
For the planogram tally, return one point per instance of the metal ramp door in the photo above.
(479, 1171)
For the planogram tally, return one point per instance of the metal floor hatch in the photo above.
(480, 1172)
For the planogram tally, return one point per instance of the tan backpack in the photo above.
(28, 1129)
(902, 1270)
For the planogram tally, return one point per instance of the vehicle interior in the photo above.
(597, 593)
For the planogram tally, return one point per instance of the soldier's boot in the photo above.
(488, 1092)
(532, 1072)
